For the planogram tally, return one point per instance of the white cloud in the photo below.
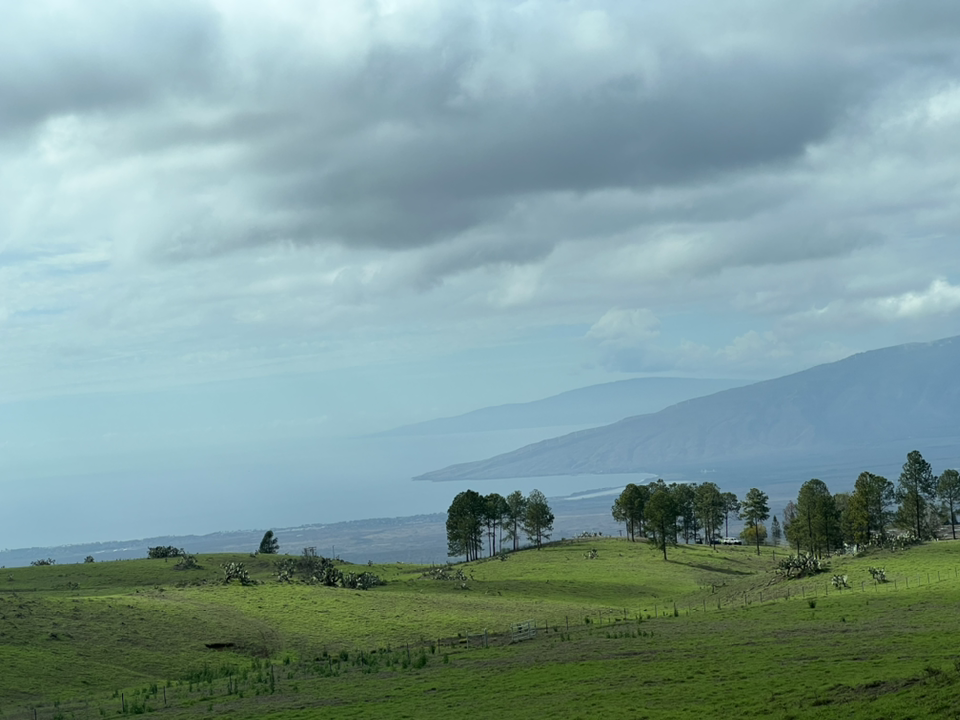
(624, 327)
(938, 299)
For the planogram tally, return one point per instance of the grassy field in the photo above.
(622, 634)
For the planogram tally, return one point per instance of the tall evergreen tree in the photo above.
(516, 512)
(709, 504)
(269, 545)
(917, 486)
(685, 495)
(755, 509)
(730, 505)
(948, 490)
(661, 513)
(538, 523)
(465, 525)
(816, 526)
(790, 517)
(868, 507)
(776, 532)
(841, 501)
(628, 508)
(494, 510)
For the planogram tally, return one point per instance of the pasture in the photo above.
(621, 634)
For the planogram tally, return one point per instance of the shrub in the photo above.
(363, 581)
(879, 575)
(802, 565)
(187, 562)
(236, 571)
(162, 551)
(41, 561)
(315, 569)
(89, 559)
(447, 572)
(839, 581)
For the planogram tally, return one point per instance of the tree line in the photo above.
(665, 513)
(817, 523)
(475, 521)
(920, 502)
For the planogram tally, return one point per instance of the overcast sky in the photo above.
(344, 216)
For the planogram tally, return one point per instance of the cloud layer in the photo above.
(199, 190)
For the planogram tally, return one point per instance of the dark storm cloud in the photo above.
(464, 133)
(468, 163)
(62, 59)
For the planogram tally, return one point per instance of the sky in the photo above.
(234, 235)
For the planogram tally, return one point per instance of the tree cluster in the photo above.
(475, 521)
(665, 513)
(164, 551)
(820, 522)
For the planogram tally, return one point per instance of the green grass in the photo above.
(73, 638)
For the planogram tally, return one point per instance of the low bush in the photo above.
(802, 565)
(236, 571)
(161, 551)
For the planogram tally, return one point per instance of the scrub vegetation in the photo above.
(620, 633)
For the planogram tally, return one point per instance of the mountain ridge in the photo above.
(905, 393)
(590, 405)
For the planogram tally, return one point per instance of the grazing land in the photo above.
(621, 633)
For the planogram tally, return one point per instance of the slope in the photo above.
(591, 405)
(905, 395)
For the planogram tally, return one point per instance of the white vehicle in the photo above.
(731, 541)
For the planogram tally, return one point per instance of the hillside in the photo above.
(416, 538)
(592, 405)
(901, 398)
(620, 633)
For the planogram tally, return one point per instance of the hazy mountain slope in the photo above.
(590, 405)
(900, 395)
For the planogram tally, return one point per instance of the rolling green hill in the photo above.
(621, 634)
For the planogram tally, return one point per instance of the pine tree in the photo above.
(948, 490)
(516, 512)
(815, 526)
(538, 523)
(872, 495)
(662, 516)
(755, 510)
(916, 487)
(730, 505)
(709, 505)
(269, 545)
(776, 531)
(465, 525)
